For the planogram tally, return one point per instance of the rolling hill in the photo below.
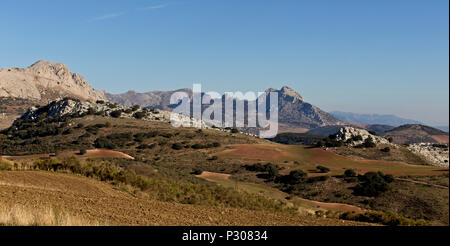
(417, 134)
(148, 163)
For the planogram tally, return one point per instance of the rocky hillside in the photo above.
(409, 134)
(40, 84)
(77, 108)
(295, 111)
(45, 81)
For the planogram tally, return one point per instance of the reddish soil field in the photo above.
(96, 153)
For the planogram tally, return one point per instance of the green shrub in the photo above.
(350, 173)
(177, 146)
(140, 115)
(386, 150)
(369, 143)
(293, 178)
(317, 179)
(323, 169)
(136, 108)
(357, 138)
(105, 143)
(384, 218)
(372, 184)
(116, 114)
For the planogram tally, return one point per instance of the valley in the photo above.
(204, 170)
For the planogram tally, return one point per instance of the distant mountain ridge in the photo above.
(294, 112)
(373, 119)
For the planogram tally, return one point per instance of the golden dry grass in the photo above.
(20, 215)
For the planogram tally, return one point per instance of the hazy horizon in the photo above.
(374, 58)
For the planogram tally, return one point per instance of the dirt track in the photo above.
(105, 204)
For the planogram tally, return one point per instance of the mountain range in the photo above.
(44, 81)
(373, 119)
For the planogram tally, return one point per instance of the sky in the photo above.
(385, 57)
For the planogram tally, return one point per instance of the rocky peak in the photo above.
(46, 81)
(291, 94)
(287, 94)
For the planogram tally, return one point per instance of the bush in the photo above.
(319, 144)
(197, 172)
(369, 143)
(136, 108)
(357, 138)
(317, 179)
(323, 169)
(234, 130)
(68, 131)
(139, 115)
(350, 173)
(386, 150)
(293, 178)
(116, 114)
(103, 142)
(177, 146)
(373, 184)
(388, 218)
(83, 151)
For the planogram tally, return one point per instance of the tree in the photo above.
(116, 114)
(369, 143)
(373, 184)
(350, 173)
(323, 169)
(139, 115)
(272, 171)
(234, 130)
(294, 177)
(136, 107)
(177, 146)
(386, 150)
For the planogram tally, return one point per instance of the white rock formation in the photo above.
(67, 107)
(346, 134)
(436, 156)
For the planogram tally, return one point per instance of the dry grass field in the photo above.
(43, 198)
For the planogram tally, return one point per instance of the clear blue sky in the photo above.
(358, 56)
